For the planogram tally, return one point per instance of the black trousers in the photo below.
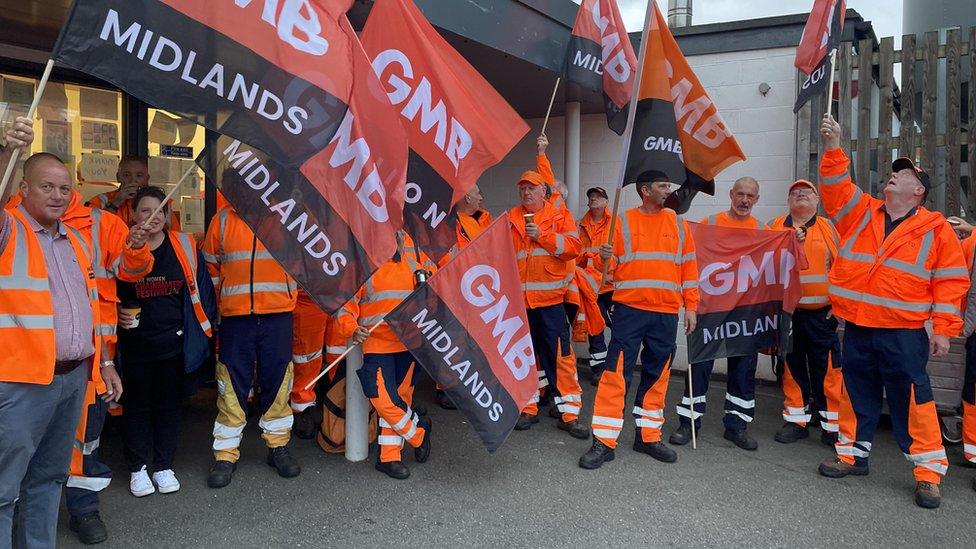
(152, 398)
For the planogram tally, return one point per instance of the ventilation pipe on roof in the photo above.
(679, 13)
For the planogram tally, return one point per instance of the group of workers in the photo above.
(885, 266)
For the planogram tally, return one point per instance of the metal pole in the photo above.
(357, 408)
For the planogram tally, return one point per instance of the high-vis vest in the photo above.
(656, 266)
(186, 252)
(125, 211)
(27, 347)
(723, 219)
(820, 247)
(390, 284)
(545, 264)
(470, 226)
(593, 234)
(245, 275)
(915, 274)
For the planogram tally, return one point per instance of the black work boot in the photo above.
(927, 495)
(304, 427)
(791, 432)
(393, 469)
(574, 428)
(554, 412)
(90, 528)
(741, 439)
(596, 455)
(444, 401)
(681, 435)
(221, 473)
(828, 439)
(657, 450)
(422, 453)
(837, 468)
(280, 458)
(526, 421)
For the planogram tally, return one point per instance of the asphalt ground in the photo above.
(531, 493)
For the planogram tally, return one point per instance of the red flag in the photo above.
(749, 282)
(468, 328)
(821, 33)
(600, 57)
(458, 125)
(677, 129)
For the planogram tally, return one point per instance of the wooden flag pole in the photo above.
(169, 196)
(830, 81)
(551, 100)
(8, 173)
(628, 132)
(338, 360)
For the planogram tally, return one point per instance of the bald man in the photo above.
(740, 398)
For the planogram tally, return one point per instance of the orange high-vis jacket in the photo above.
(186, 253)
(593, 234)
(470, 226)
(723, 219)
(656, 266)
(247, 279)
(388, 287)
(915, 274)
(969, 301)
(544, 168)
(102, 202)
(27, 345)
(820, 248)
(545, 265)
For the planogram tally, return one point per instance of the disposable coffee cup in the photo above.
(529, 218)
(135, 311)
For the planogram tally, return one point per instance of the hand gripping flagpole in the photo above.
(169, 196)
(8, 173)
(338, 360)
(551, 100)
(628, 132)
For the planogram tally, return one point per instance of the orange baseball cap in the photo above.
(803, 183)
(532, 177)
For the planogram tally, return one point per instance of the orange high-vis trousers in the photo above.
(307, 343)
(889, 362)
(969, 402)
(554, 353)
(388, 381)
(813, 370)
(652, 336)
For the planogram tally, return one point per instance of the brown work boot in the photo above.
(574, 429)
(837, 468)
(526, 421)
(927, 495)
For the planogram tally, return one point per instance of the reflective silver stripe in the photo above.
(31, 322)
(625, 232)
(389, 440)
(743, 417)
(746, 404)
(918, 268)
(926, 456)
(608, 421)
(92, 484)
(814, 300)
(83, 243)
(386, 294)
(87, 448)
(946, 308)
(685, 258)
(681, 240)
(950, 272)
(712, 219)
(106, 330)
(645, 284)
(533, 252)
(278, 425)
(222, 219)
(847, 207)
(541, 286)
(855, 256)
(245, 256)
(810, 279)
(849, 244)
(603, 433)
(833, 179)
(648, 256)
(590, 281)
(685, 412)
(851, 451)
(881, 301)
(335, 349)
(689, 284)
(19, 278)
(242, 289)
(302, 359)
(697, 400)
(371, 320)
(560, 245)
(209, 258)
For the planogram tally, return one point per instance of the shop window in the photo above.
(173, 144)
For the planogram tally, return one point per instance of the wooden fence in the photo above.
(918, 136)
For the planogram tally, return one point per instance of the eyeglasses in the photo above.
(796, 193)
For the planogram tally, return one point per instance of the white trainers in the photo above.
(166, 481)
(140, 485)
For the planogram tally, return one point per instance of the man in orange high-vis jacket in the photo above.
(594, 228)
(256, 299)
(389, 372)
(472, 219)
(546, 241)
(969, 379)
(656, 275)
(49, 349)
(740, 396)
(899, 266)
(112, 260)
(132, 175)
(812, 372)
(307, 345)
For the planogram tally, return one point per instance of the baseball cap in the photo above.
(906, 164)
(598, 190)
(652, 176)
(802, 183)
(533, 177)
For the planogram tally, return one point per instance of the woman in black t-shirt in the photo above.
(156, 317)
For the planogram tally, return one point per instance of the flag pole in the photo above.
(159, 208)
(551, 100)
(9, 171)
(628, 131)
(830, 81)
(338, 360)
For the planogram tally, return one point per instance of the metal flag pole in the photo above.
(8, 173)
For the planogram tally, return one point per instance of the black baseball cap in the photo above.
(906, 164)
(598, 190)
(653, 176)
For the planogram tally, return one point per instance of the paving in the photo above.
(531, 493)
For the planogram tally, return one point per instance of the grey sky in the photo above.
(884, 14)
